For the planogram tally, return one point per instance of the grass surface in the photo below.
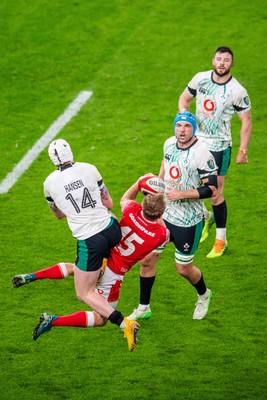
(137, 57)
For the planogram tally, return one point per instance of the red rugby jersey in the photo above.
(139, 238)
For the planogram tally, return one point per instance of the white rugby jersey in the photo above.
(215, 105)
(184, 169)
(75, 190)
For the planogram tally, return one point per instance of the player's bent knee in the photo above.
(80, 297)
(184, 269)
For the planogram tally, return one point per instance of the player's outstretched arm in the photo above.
(129, 195)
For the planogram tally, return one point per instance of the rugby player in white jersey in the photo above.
(190, 175)
(75, 190)
(218, 96)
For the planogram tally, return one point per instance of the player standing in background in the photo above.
(190, 175)
(143, 230)
(218, 96)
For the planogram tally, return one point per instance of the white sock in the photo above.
(90, 318)
(64, 269)
(122, 325)
(204, 296)
(143, 307)
(221, 234)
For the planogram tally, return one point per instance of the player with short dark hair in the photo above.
(218, 96)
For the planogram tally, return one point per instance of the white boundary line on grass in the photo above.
(49, 135)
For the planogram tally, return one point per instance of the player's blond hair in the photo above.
(153, 206)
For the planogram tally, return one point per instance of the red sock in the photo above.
(54, 272)
(77, 319)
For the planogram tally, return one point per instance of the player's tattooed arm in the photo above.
(57, 212)
(106, 199)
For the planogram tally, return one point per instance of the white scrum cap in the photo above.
(60, 152)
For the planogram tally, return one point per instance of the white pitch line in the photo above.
(44, 141)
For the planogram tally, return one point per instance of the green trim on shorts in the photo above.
(110, 223)
(83, 255)
(225, 161)
(183, 259)
(159, 249)
(198, 233)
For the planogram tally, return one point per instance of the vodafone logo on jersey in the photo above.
(209, 105)
(174, 172)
